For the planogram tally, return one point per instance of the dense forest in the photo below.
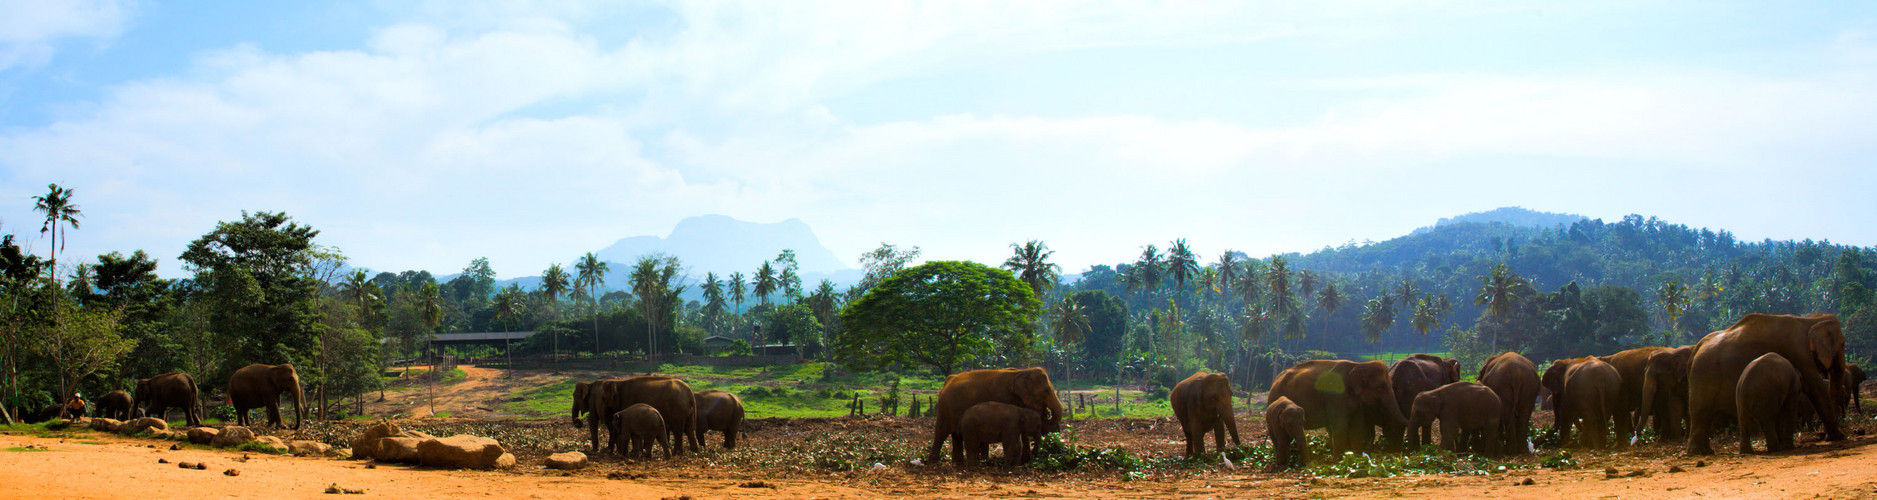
(264, 290)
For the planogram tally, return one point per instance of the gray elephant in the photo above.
(1767, 401)
(258, 385)
(157, 395)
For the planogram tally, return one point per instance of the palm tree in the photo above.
(713, 301)
(80, 286)
(1070, 327)
(361, 290)
(765, 282)
(509, 303)
(1407, 293)
(1147, 269)
(430, 304)
(1499, 291)
(738, 287)
(1328, 300)
(1428, 311)
(1674, 298)
(1228, 270)
(1031, 264)
(1377, 316)
(1181, 263)
(593, 275)
(553, 283)
(58, 207)
(646, 283)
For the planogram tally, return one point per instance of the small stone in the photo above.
(1675, 468)
(1528, 482)
(1611, 471)
(162, 460)
(1701, 463)
(1637, 473)
(333, 489)
(185, 465)
(371, 466)
(202, 466)
(231, 472)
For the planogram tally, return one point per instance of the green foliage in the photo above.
(943, 315)
(258, 447)
(255, 272)
(1055, 453)
(1427, 460)
(792, 324)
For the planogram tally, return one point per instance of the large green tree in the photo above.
(258, 275)
(942, 314)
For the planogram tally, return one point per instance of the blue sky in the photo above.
(422, 135)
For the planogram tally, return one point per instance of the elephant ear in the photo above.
(1826, 338)
(1453, 370)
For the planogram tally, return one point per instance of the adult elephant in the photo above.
(1026, 387)
(1412, 376)
(1665, 393)
(671, 397)
(1631, 366)
(720, 411)
(156, 395)
(1514, 379)
(1814, 344)
(1588, 391)
(115, 404)
(1339, 396)
(259, 386)
(1203, 403)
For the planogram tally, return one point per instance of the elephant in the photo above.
(720, 411)
(636, 427)
(1632, 366)
(1469, 418)
(1767, 400)
(1588, 391)
(1515, 380)
(258, 386)
(671, 397)
(1026, 387)
(156, 395)
(116, 405)
(1016, 427)
(580, 402)
(1665, 393)
(1853, 385)
(1813, 344)
(1340, 396)
(1412, 376)
(1283, 420)
(1203, 403)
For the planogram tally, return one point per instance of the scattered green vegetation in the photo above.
(17, 448)
(259, 447)
(442, 414)
(550, 400)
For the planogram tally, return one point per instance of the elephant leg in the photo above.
(664, 441)
(1599, 428)
(1623, 427)
(1700, 430)
(1339, 431)
(940, 430)
(1280, 452)
(729, 435)
(273, 414)
(1564, 421)
(1218, 435)
(1821, 398)
(1186, 431)
(957, 447)
(1491, 443)
(1013, 449)
(1449, 435)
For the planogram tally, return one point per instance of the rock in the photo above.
(340, 453)
(1528, 482)
(105, 424)
(203, 435)
(232, 437)
(397, 449)
(185, 465)
(505, 461)
(1701, 463)
(162, 460)
(366, 445)
(170, 435)
(1676, 468)
(175, 447)
(567, 461)
(277, 444)
(463, 451)
(303, 448)
(231, 472)
(142, 425)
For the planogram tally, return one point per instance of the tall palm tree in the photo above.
(593, 275)
(1031, 264)
(430, 306)
(738, 288)
(1070, 327)
(1377, 316)
(1674, 298)
(1328, 300)
(648, 284)
(765, 282)
(1499, 291)
(553, 283)
(58, 207)
(1428, 311)
(713, 302)
(1228, 270)
(361, 291)
(1148, 268)
(508, 304)
(1407, 294)
(1307, 282)
(1181, 263)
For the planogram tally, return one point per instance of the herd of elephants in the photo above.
(1765, 373)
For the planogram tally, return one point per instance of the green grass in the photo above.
(546, 401)
(442, 414)
(16, 448)
(1393, 356)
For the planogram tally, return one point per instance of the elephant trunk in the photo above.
(1649, 387)
(1052, 422)
(299, 406)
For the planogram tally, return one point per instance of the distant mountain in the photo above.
(1515, 216)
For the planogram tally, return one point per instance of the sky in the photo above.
(421, 135)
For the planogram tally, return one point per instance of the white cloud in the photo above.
(30, 29)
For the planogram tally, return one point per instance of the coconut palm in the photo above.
(738, 290)
(509, 304)
(1377, 316)
(1499, 291)
(1228, 270)
(1328, 300)
(359, 288)
(713, 301)
(593, 275)
(57, 205)
(1428, 311)
(554, 282)
(430, 305)
(1147, 269)
(1181, 263)
(1673, 297)
(765, 282)
(1031, 264)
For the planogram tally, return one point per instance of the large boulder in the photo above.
(303, 448)
(277, 444)
(396, 449)
(203, 435)
(567, 461)
(232, 436)
(142, 425)
(105, 424)
(463, 451)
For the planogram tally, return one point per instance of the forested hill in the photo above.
(1516, 216)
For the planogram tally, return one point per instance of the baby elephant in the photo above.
(1767, 400)
(635, 427)
(1468, 413)
(1283, 420)
(988, 422)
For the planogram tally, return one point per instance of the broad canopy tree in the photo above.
(941, 314)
